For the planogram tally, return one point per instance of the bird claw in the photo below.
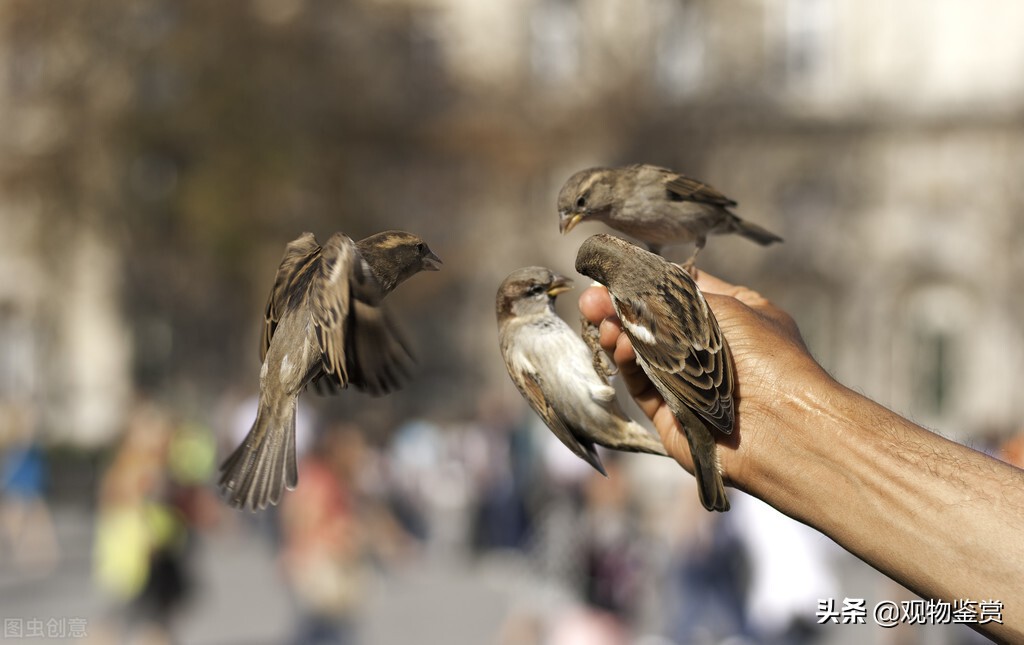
(592, 337)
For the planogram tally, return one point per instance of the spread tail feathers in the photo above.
(263, 465)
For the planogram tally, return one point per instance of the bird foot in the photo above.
(690, 266)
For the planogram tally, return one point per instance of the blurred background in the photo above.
(156, 157)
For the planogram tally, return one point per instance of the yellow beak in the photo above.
(568, 224)
(560, 284)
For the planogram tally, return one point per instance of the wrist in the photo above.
(787, 436)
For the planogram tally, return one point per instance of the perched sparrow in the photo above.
(678, 345)
(324, 322)
(654, 205)
(552, 368)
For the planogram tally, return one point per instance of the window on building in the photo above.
(929, 351)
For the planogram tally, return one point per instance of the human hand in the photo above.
(839, 462)
(775, 373)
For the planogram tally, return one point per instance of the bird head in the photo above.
(396, 256)
(588, 194)
(601, 257)
(530, 290)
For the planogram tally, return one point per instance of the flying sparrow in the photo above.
(324, 324)
(553, 369)
(654, 205)
(678, 345)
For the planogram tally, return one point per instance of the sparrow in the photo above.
(654, 205)
(678, 345)
(324, 324)
(553, 369)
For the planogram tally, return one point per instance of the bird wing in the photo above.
(290, 284)
(532, 384)
(687, 348)
(682, 188)
(379, 357)
(360, 341)
(330, 295)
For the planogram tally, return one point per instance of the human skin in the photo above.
(941, 519)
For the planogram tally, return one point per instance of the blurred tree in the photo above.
(197, 138)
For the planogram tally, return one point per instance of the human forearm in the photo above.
(940, 518)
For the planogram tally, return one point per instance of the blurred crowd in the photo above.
(587, 559)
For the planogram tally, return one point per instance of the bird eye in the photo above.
(535, 290)
(421, 247)
(581, 201)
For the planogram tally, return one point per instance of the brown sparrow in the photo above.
(554, 371)
(324, 322)
(678, 345)
(654, 205)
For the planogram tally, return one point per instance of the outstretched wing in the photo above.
(291, 284)
(686, 348)
(379, 357)
(682, 188)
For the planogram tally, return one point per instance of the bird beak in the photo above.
(431, 262)
(560, 284)
(567, 223)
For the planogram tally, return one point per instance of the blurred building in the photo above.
(882, 141)
(64, 342)
(159, 155)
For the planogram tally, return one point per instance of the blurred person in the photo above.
(191, 463)
(611, 564)
(141, 539)
(789, 571)
(585, 626)
(502, 467)
(414, 460)
(907, 501)
(708, 571)
(323, 539)
(593, 553)
(555, 540)
(521, 627)
(24, 513)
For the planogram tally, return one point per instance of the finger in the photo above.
(718, 292)
(726, 307)
(624, 352)
(710, 284)
(640, 388)
(610, 331)
(632, 374)
(596, 305)
(621, 350)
